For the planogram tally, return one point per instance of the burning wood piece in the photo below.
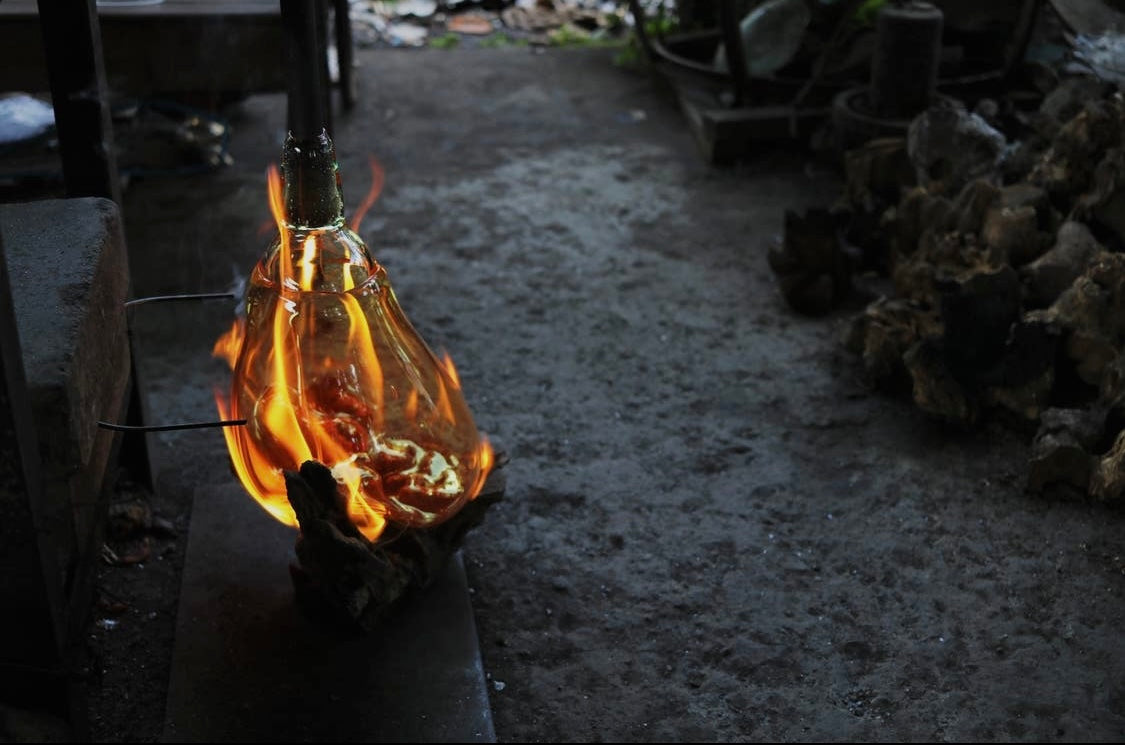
(812, 267)
(357, 581)
(1061, 454)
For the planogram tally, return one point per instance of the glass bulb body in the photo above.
(331, 369)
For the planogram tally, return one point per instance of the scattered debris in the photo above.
(406, 34)
(134, 517)
(470, 23)
(417, 23)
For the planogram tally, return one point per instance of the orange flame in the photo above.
(229, 344)
(310, 375)
(377, 178)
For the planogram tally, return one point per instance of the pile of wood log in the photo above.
(1004, 252)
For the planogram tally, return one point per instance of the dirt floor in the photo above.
(712, 530)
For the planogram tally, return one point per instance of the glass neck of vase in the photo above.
(313, 195)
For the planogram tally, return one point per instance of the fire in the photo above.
(377, 177)
(326, 367)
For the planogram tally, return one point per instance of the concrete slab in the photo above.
(249, 667)
(70, 278)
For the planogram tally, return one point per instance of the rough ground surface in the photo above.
(712, 530)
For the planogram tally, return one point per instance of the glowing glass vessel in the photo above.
(327, 367)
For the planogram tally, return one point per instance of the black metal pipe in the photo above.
(736, 53)
(904, 67)
(73, 46)
(304, 58)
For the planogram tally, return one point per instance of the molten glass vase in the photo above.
(327, 367)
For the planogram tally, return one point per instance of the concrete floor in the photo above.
(712, 531)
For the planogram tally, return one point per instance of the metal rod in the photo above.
(170, 427)
(170, 298)
(304, 56)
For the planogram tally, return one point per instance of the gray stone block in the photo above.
(249, 667)
(70, 277)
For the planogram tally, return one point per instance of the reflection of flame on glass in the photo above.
(326, 366)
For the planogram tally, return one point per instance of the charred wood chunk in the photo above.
(881, 335)
(978, 309)
(1107, 481)
(346, 578)
(1019, 226)
(1066, 101)
(941, 256)
(813, 270)
(1104, 205)
(1067, 168)
(1052, 273)
(971, 206)
(935, 388)
(876, 173)
(1024, 380)
(1014, 234)
(918, 212)
(1112, 387)
(1091, 313)
(1061, 454)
